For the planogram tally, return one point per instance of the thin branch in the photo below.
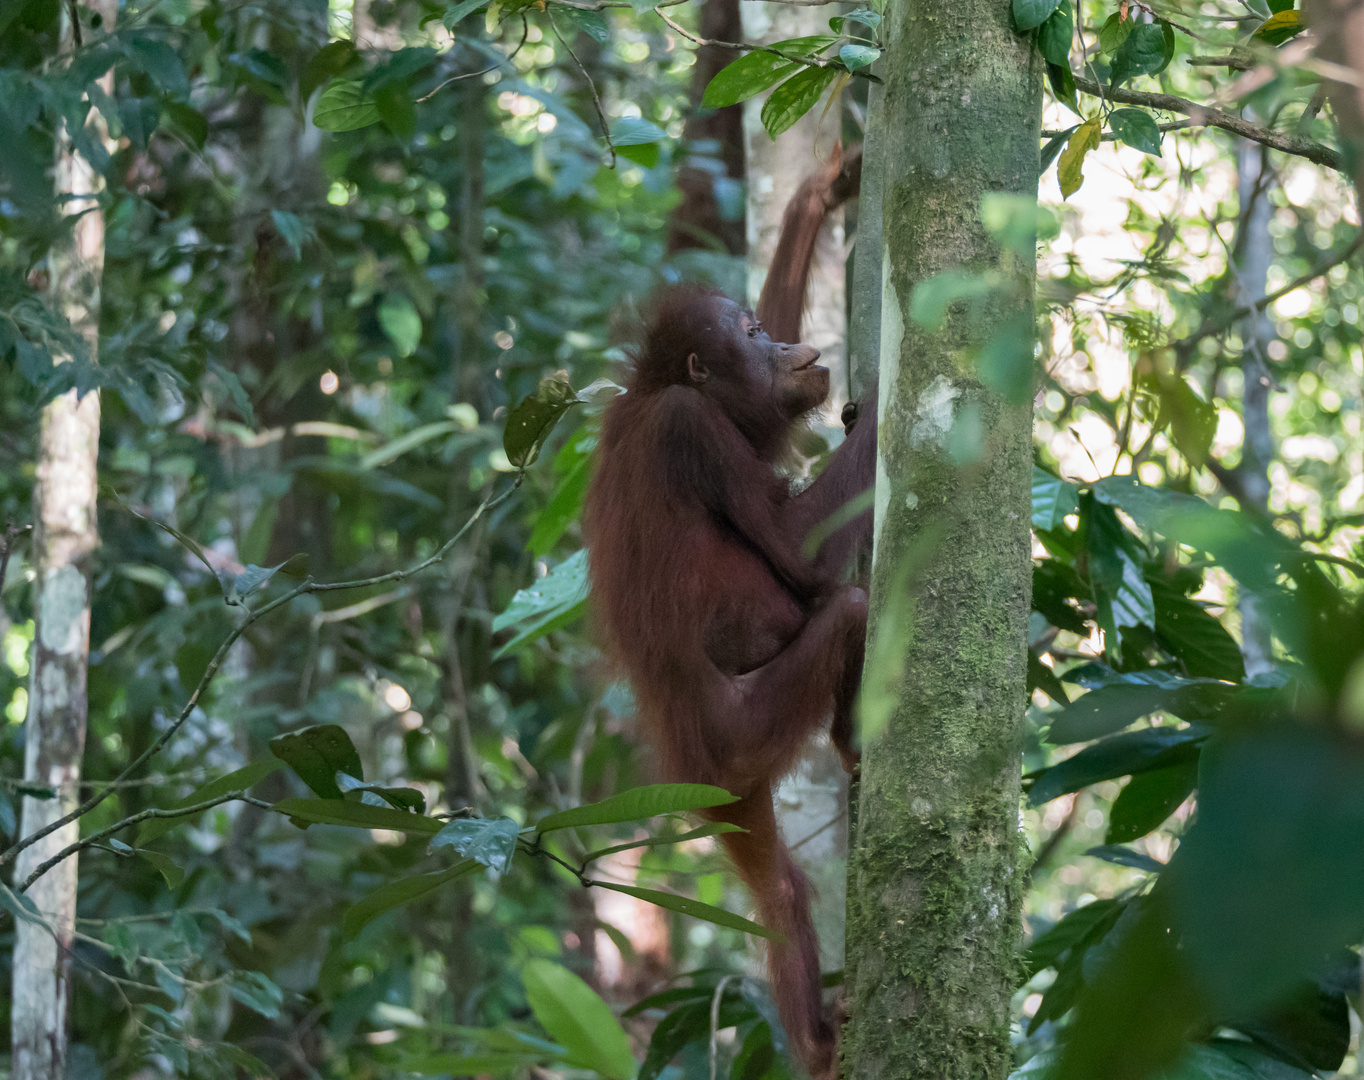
(1108, 136)
(145, 815)
(308, 586)
(596, 98)
(1216, 326)
(525, 33)
(1204, 116)
(1233, 62)
(744, 47)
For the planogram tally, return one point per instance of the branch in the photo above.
(1215, 326)
(308, 586)
(1204, 116)
(104, 834)
(596, 98)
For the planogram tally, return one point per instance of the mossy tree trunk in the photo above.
(935, 885)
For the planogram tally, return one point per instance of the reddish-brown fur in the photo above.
(736, 645)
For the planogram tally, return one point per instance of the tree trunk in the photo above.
(64, 540)
(1340, 30)
(700, 220)
(1256, 252)
(935, 887)
(775, 170)
(864, 321)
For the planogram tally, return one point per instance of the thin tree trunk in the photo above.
(1340, 31)
(65, 537)
(935, 885)
(775, 170)
(1257, 443)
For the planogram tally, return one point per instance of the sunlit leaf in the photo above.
(490, 841)
(343, 107)
(795, 97)
(574, 1014)
(555, 600)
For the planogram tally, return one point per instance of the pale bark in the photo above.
(935, 889)
(864, 319)
(775, 170)
(64, 541)
(815, 794)
(1256, 252)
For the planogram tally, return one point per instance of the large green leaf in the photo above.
(1136, 127)
(1142, 53)
(247, 777)
(685, 905)
(490, 841)
(1073, 929)
(530, 423)
(554, 601)
(317, 754)
(1148, 799)
(637, 804)
(344, 107)
(1121, 755)
(1054, 37)
(573, 1013)
(397, 893)
(795, 97)
(1189, 632)
(756, 71)
(400, 321)
(304, 812)
(1033, 13)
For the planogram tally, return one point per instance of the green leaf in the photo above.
(237, 586)
(490, 841)
(257, 992)
(1070, 165)
(1113, 33)
(1073, 929)
(713, 829)
(634, 131)
(754, 72)
(574, 1015)
(291, 230)
(391, 451)
(1191, 420)
(1056, 34)
(240, 780)
(400, 321)
(1142, 53)
(1121, 856)
(402, 798)
(858, 56)
(554, 601)
(1147, 800)
(1281, 26)
(394, 103)
(1029, 14)
(317, 754)
(343, 107)
(933, 298)
(455, 13)
(795, 97)
(1186, 630)
(591, 23)
(355, 815)
(328, 62)
(1136, 127)
(865, 15)
(1121, 755)
(530, 423)
(695, 908)
(192, 123)
(163, 864)
(1062, 81)
(565, 504)
(637, 804)
(397, 893)
(1052, 500)
(160, 61)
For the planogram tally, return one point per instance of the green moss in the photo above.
(935, 887)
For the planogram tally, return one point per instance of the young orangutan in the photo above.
(737, 646)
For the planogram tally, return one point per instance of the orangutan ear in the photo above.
(696, 369)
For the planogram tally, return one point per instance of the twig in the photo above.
(1235, 63)
(525, 33)
(104, 834)
(1108, 136)
(1205, 116)
(308, 586)
(715, 1023)
(596, 98)
(739, 46)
